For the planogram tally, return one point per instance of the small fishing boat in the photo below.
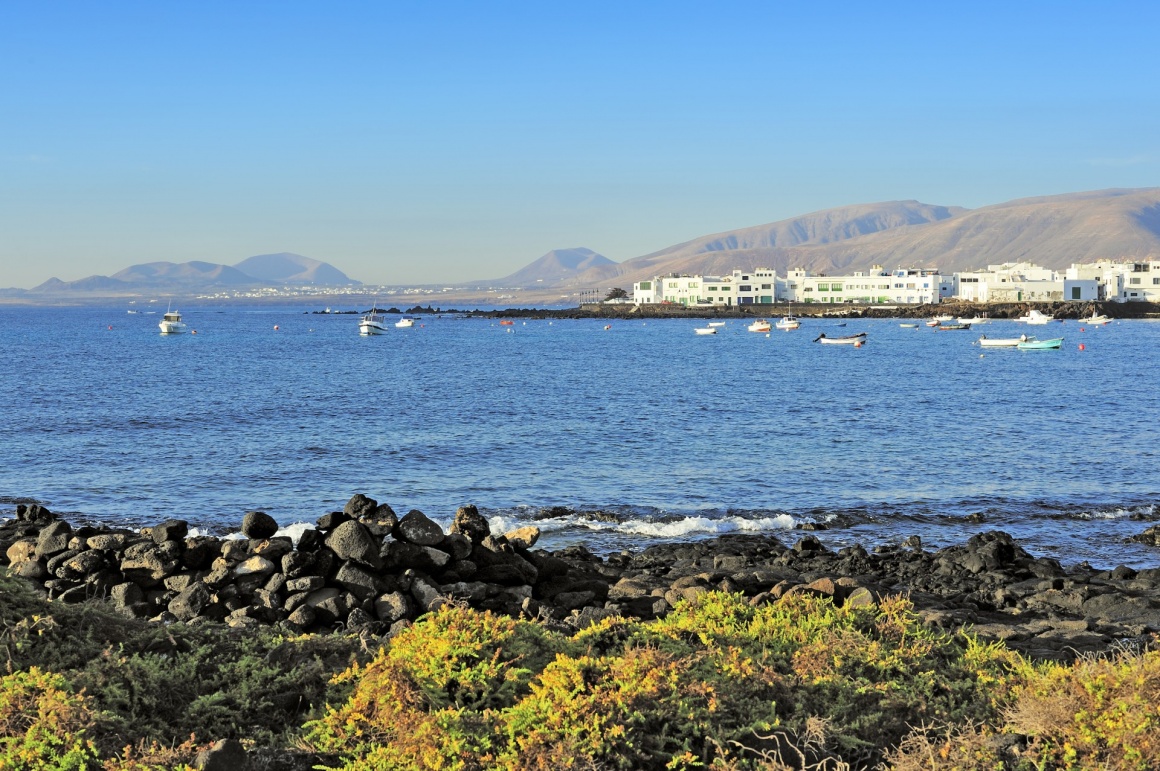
(171, 323)
(1036, 317)
(506, 323)
(788, 323)
(716, 323)
(1040, 345)
(761, 325)
(908, 326)
(372, 324)
(705, 331)
(974, 319)
(1096, 319)
(934, 322)
(405, 322)
(951, 327)
(857, 339)
(1003, 342)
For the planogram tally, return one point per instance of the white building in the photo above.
(1121, 281)
(877, 286)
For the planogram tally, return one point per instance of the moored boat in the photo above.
(857, 339)
(372, 323)
(705, 331)
(761, 325)
(1040, 345)
(908, 326)
(1096, 319)
(171, 323)
(1036, 317)
(405, 322)
(716, 323)
(1003, 342)
(787, 323)
(951, 327)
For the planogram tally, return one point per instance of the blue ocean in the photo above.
(615, 437)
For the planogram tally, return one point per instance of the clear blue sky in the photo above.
(410, 142)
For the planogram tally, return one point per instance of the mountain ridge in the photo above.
(1052, 231)
(199, 275)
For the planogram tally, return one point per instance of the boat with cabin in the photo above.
(761, 325)
(171, 323)
(372, 323)
(788, 322)
(1034, 316)
(1096, 319)
(405, 322)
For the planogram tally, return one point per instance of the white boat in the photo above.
(935, 322)
(1036, 317)
(373, 323)
(944, 317)
(171, 323)
(908, 326)
(716, 323)
(405, 322)
(705, 331)
(761, 325)
(787, 323)
(1003, 342)
(975, 320)
(1095, 319)
(857, 339)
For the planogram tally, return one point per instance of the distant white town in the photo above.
(1102, 281)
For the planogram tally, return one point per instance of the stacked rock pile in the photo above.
(363, 567)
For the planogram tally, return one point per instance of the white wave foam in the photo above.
(693, 525)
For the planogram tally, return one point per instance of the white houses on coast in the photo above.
(1104, 280)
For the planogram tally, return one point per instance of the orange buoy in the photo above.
(1081, 347)
(857, 343)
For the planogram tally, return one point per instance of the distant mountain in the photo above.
(291, 268)
(558, 266)
(1052, 231)
(197, 273)
(197, 276)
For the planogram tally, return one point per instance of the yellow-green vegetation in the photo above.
(129, 683)
(717, 684)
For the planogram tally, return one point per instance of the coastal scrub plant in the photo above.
(43, 723)
(718, 683)
(1100, 712)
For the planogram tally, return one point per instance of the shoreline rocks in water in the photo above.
(366, 569)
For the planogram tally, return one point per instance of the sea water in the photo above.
(612, 437)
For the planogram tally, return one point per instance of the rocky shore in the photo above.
(368, 570)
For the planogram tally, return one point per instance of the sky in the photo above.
(434, 142)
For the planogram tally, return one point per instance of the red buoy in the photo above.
(1081, 347)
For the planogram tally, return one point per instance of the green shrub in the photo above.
(43, 724)
(717, 682)
(1096, 713)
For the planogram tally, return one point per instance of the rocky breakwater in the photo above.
(364, 568)
(367, 569)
